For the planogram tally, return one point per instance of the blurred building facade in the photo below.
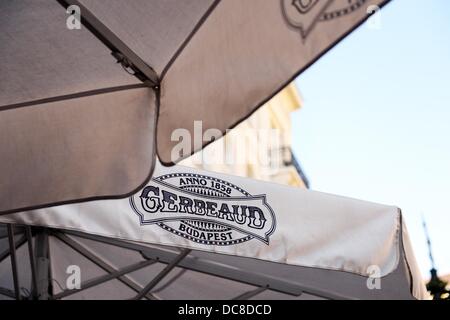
(259, 147)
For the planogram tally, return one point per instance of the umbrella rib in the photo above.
(220, 270)
(162, 274)
(249, 294)
(6, 253)
(15, 274)
(7, 292)
(119, 49)
(168, 283)
(101, 279)
(201, 265)
(236, 274)
(4, 231)
(71, 96)
(99, 262)
(189, 37)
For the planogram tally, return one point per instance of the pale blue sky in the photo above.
(375, 122)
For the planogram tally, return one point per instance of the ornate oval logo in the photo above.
(204, 209)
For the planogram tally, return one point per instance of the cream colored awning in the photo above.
(209, 235)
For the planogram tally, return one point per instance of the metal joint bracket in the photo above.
(130, 68)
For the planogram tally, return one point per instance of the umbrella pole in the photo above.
(42, 265)
(32, 258)
(12, 250)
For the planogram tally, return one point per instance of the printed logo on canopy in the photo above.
(204, 209)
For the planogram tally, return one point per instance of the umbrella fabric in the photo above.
(298, 236)
(79, 123)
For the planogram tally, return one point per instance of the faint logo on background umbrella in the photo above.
(303, 6)
(305, 14)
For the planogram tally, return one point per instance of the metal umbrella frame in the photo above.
(41, 287)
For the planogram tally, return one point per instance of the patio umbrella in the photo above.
(193, 234)
(84, 111)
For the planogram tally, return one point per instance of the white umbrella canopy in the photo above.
(192, 234)
(83, 112)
